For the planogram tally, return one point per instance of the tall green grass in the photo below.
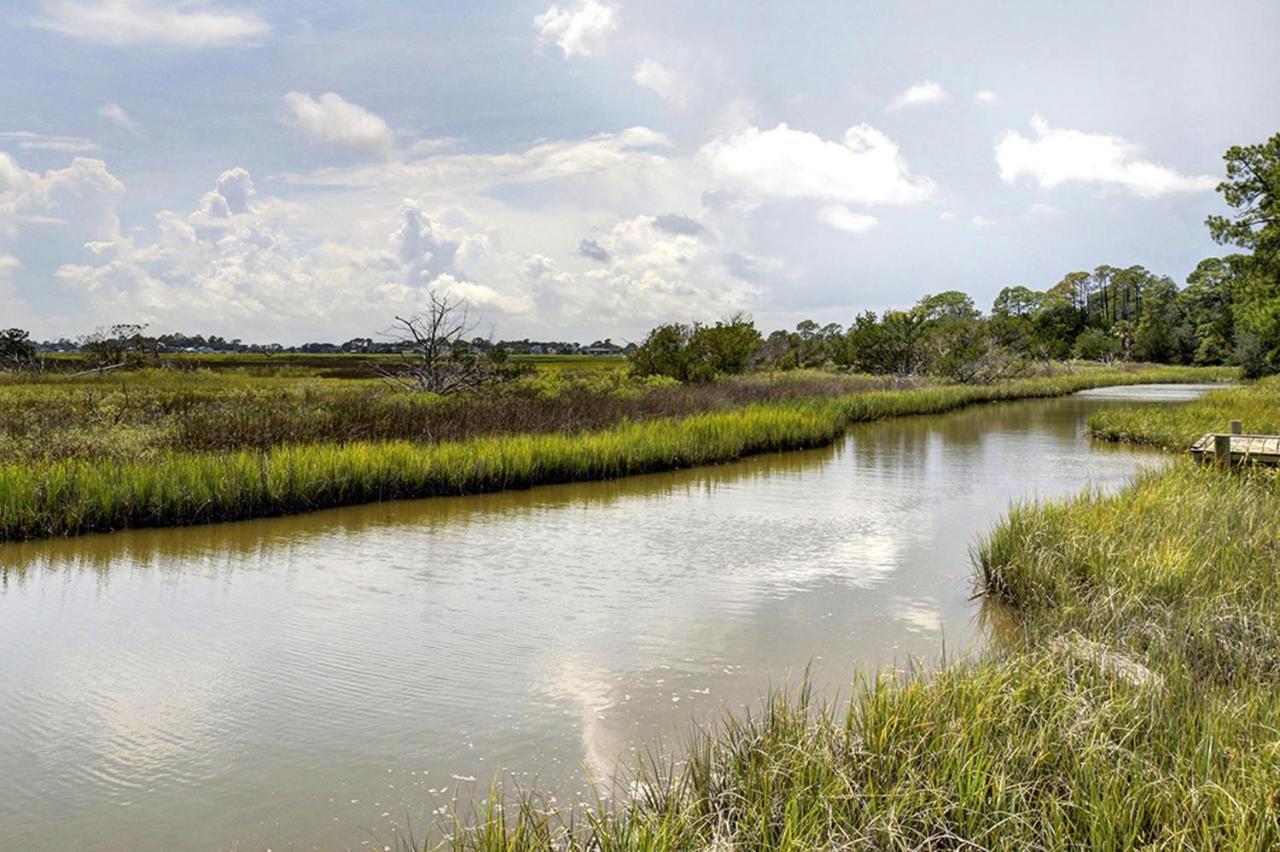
(73, 496)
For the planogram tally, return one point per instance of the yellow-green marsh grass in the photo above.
(71, 495)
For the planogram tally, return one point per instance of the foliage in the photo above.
(698, 353)
(1252, 188)
(16, 350)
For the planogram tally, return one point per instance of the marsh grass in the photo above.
(70, 495)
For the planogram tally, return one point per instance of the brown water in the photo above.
(316, 681)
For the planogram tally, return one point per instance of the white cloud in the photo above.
(946, 216)
(985, 97)
(231, 195)
(244, 263)
(82, 196)
(979, 221)
(580, 31)
(629, 157)
(12, 307)
(842, 218)
(117, 115)
(28, 141)
(865, 167)
(1053, 156)
(924, 93)
(667, 83)
(651, 275)
(175, 23)
(333, 120)
(349, 259)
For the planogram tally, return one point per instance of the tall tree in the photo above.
(1252, 189)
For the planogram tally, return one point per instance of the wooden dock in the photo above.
(1236, 448)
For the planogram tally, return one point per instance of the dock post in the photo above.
(1236, 427)
(1222, 450)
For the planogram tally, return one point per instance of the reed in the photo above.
(70, 496)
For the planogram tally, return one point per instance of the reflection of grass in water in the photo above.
(72, 496)
(265, 536)
(1135, 703)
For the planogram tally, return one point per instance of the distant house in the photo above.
(603, 349)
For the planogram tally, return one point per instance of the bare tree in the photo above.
(440, 355)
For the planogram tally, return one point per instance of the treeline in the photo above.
(1109, 314)
(1228, 313)
(178, 342)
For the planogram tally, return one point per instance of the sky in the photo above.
(582, 169)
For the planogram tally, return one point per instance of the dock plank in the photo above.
(1261, 449)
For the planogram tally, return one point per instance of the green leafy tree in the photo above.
(16, 349)
(665, 352)
(1094, 344)
(1208, 305)
(698, 353)
(1252, 190)
(1155, 338)
(893, 344)
(729, 347)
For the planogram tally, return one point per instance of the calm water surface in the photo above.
(317, 681)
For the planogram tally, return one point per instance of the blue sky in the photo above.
(293, 171)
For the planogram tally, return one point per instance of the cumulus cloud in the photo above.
(651, 276)
(1053, 156)
(865, 167)
(333, 120)
(118, 116)
(674, 223)
(351, 252)
(924, 93)
(979, 221)
(842, 218)
(238, 261)
(28, 141)
(589, 248)
(668, 84)
(11, 306)
(578, 31)
(82, 196)
(259, 270)
(230, 197)
(174, 23)
(985, 97)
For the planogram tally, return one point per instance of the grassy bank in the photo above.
(73, 495)
(1256, 405)
(1136, 705)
